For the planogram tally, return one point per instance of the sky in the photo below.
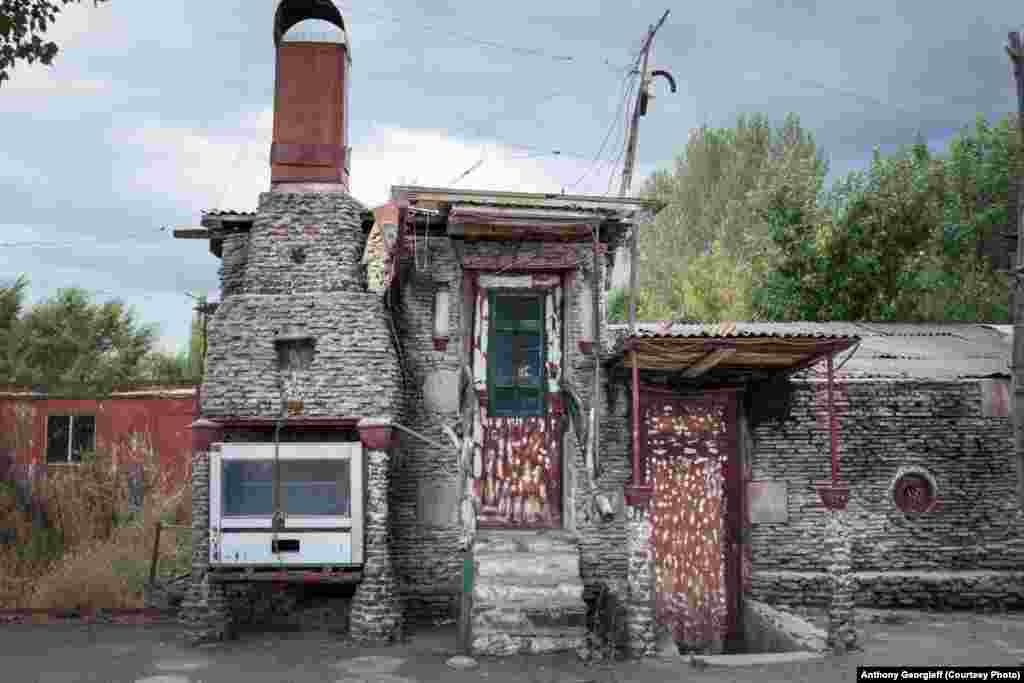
(154, 112)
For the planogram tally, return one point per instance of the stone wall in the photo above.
(326, 227)
(354, 371)
(425, 540)
(205, 610)
(426, 534)
(960, 553)
(234, 257)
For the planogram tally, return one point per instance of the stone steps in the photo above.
(527, 594)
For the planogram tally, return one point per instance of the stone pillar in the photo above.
(641, 626)
(376, 613)
(842, 630)
(205, 610)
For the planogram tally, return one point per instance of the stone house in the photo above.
(422, 404)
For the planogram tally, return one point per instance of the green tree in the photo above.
(71, 345)
(12, 300)
(181, 367)
(22, 25)
(705, 250)
(904, 240)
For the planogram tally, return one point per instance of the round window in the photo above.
(913, 493)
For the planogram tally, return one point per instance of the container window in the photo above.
(308, 487)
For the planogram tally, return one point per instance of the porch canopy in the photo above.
(728, 352)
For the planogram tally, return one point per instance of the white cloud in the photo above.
(230, 170)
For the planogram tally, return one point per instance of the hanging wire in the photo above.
(522, 50)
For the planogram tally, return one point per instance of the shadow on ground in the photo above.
(59, 653)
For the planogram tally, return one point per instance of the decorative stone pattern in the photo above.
(428, 555)
(376, 613)
(205, 611)
(354, 371)
(961, 553)
(842, 631)
(328, 226)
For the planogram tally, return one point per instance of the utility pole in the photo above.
(1016, 52)
(639, 109)
(641, 94)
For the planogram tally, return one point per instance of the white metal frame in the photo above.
(351, 451)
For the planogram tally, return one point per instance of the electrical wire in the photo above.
(616, 118)
(483, 42)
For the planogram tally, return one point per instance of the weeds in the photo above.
(89, 541)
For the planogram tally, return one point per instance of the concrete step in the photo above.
(547, 568)
(534, 542)
(504, 644)
(493, 590)
(520, 618)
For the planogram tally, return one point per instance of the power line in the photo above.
(484, 42)
(616, 118)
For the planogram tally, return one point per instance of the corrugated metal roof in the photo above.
(939, 351)
(589, 204)
(227, 212)
(747, 329)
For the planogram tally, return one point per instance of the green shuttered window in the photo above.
(515, 354)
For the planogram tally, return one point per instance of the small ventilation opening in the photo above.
(295, 352)
(284, 545)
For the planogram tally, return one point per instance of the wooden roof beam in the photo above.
(707, 362)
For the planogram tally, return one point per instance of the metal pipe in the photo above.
(419, 436)
(594, 439)
(832, 426)
(636, 422)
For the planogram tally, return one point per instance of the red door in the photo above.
(521, 481)
(690, 446)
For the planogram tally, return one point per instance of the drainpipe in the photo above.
(636, 419)
(596, 353)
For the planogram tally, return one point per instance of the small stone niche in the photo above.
(295, 351)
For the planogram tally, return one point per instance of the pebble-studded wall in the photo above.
(966, 549)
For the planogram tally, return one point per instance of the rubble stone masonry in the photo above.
(968, 551)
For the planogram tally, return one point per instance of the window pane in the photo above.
(519, 312)
(316, 487)
(518, 359)
(248, 488)
(517, 402)
(83, 437)
(57, 438)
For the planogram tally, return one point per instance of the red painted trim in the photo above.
(832, 426)
(307, 154)
(638, 477)
(440, 343)
(378, 437)
(513, 264)
(469, 310)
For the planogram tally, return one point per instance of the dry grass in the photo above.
(96, 551)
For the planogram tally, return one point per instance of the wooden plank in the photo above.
(191, 233)
(707, 362)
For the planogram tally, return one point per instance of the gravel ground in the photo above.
(155, 653)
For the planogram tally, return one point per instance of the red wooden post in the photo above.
(637, 477)
(832, 426)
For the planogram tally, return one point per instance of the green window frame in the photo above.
(516, 354)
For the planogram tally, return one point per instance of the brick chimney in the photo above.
(309, 151)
